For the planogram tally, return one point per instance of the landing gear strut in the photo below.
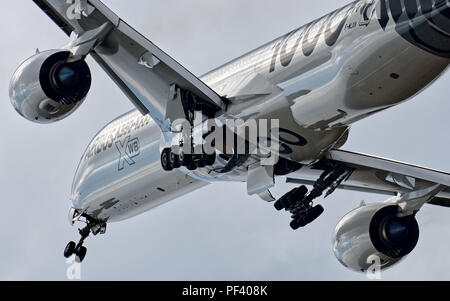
(177, 156)
(300, 203)
(78, 249)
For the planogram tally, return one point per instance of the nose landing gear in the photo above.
(77, 249)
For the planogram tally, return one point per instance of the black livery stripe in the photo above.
(396, 9)
(442, 20)
(285, 49)
(384, 16)
(424, 23)
(426, 6)
(411, 8)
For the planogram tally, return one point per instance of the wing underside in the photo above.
(379, 175)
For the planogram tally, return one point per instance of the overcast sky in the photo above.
(217, 233)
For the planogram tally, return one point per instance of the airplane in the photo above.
(314, 82)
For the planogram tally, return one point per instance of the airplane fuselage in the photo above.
(317, 80)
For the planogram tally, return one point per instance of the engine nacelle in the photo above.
(49, 87)
(374, 234)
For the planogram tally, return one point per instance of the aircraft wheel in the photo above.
(210, 159)
(201, 162)
(165, 160)
(315, 213)
(70, 249)
(300, 192)
(290, 198)
(284, 201)
(312, 216)
(279, 206)
(296, 224)
(185, 159)
(80, 254)
(174, 158)
(288, 201)
(192, 166)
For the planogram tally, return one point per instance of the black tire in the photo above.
(278, 206)
(185, 159)
(298, 223)
(285, 201)
(282, 201)
(296, 196)
(201, 162)
(174, 158)
(315, 213)
(192, 166)
(81, 254)
(290, 198)
(165, 160)
(70, 249)
(300, 192)
(295, 225)
(210, 159)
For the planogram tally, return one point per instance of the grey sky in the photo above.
(217, 233)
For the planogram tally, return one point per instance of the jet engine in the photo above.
(49, 86)
(374, 236)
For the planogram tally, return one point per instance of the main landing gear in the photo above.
(175, 157)
(300, 203)
(78, 249)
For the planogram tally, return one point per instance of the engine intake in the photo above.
(393, 236)
(374, 230)
(49, 87)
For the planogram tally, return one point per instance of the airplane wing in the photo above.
(379, 175)
(151, 79)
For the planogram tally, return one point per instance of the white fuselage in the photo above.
(316, 80)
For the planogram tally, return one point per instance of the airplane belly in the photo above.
(120, 174)
(377, 75)
(407, 74)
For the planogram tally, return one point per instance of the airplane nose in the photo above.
(428, 25)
